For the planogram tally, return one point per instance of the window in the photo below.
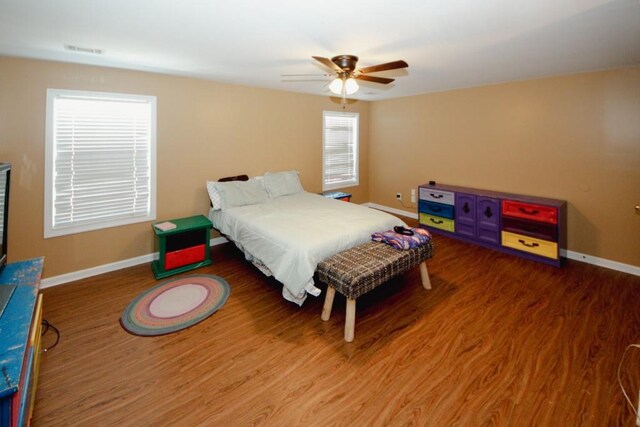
(99, 161)
(339, 150)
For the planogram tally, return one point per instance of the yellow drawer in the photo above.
(530, 244)
(438, 222)
(35, 340)
(36, 324)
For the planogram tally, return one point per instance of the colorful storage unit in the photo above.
(20, 344)
(531, 227)
(182, 248)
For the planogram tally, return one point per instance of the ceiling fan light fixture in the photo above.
(340, 84)
(351, 86)
(336, 86)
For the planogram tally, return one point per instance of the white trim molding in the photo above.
(106, 268)
(601, 262)
(577, 256)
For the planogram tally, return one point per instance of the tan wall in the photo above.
(205, 130)
(575, 138)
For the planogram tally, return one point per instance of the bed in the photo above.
(286, 231)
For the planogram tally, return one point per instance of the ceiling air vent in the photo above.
(73, 48)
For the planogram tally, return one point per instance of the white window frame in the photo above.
(350, 138)
(127, 215)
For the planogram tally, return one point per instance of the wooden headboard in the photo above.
(234, 178)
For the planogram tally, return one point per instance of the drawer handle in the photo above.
(531, 212)
(488, 213)
(436, 196)
(435, 208)
(530, 245)
(436, 222)
(466, 208)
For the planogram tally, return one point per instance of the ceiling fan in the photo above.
(346, 73)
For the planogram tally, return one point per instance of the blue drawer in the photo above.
(438, 209)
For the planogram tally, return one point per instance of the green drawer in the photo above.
(438, 222)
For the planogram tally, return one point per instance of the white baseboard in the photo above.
(106, 268)
(589, 259)
(601, 262)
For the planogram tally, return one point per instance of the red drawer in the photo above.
(530, 211)
(182, 257)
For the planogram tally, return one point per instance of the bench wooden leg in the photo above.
(424, 274)
(350, 320)
(328, 303)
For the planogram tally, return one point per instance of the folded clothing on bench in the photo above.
(402, 241)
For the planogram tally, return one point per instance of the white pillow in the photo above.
(216, 202)
(240, 193)
(216, 197)
(282, 183)
(258, 180)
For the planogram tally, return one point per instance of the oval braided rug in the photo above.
(175, 304)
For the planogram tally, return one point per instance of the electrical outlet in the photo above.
(413, 195)
(399, 196)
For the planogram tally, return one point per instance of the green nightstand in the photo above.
(182, 248)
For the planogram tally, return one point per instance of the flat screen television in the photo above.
(5, 180)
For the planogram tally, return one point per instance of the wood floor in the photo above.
(498, 341)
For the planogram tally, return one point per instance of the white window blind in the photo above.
(340, 150)
(100, 160)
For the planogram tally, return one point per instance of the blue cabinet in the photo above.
(20, 327)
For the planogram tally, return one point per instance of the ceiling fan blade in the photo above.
(305, 80)
(306, 75)
(374, 79)
(384, 67)
(327, 63)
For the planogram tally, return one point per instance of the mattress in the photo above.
(288, 236)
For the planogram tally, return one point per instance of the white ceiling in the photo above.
(448, 43)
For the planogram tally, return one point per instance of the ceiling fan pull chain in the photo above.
(344, 95)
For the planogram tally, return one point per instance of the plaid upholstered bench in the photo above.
(356, 271)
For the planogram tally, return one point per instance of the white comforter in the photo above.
(290, 235)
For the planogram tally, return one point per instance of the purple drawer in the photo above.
(468, 230)
(489, 235)
(539, 230)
